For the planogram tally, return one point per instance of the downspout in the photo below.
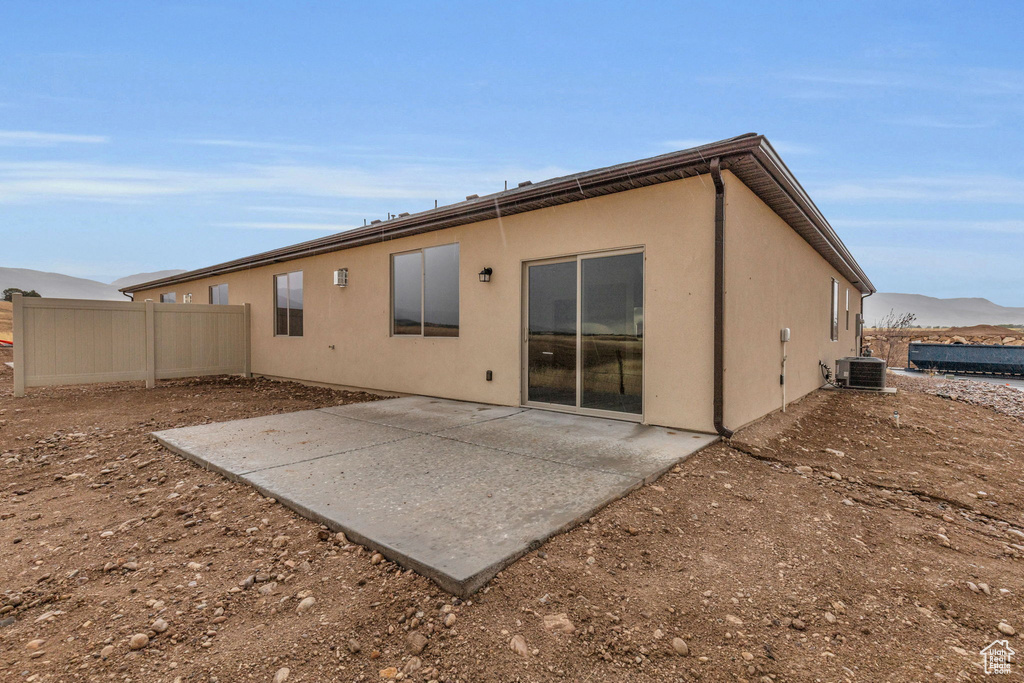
(719, 363)
(863, 324)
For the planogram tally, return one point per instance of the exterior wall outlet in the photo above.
(490, 375)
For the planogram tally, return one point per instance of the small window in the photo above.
(425, 292)
(847, 309)
(168, 298)
(834, 319)
(288, 304)
(219, 295)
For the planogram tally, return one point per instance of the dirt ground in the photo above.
(890, 554)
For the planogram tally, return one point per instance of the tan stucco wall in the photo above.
(673, 221)
(775, 279)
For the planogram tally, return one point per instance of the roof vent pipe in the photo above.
(719, 368)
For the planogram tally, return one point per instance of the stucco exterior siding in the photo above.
(673, 222)
(775, 279)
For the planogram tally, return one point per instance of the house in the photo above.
(656, 291)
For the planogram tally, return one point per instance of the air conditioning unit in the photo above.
(858, 372)
(341, 277)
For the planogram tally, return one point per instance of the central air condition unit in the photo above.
(341, 277)
(856, 372)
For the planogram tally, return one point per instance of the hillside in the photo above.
(57, 285)
(61, 286)
(143, 277)
(933, 312)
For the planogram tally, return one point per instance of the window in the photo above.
(288, 304)
(847, 309)
(425, 292)
(168, 298)
(219, 294)
(834, 319)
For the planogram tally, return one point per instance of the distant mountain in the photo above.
(932, 312)
(57, 285)
(60, 286)
(143, 277)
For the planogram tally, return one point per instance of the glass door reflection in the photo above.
(612, 329)
(584, 336)
(551, 333)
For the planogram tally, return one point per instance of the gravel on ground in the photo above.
(1002, 399)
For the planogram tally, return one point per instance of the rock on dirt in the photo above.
(518, 645)
(412, 666)
(416, 642)
(559, 623)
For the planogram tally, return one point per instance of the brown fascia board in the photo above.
(571, 188)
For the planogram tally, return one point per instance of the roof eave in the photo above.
(774, 165)
(663, 168)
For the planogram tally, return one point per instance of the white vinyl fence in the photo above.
(77, 341)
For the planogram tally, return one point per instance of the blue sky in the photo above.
(139, 136)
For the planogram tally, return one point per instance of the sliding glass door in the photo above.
(584, 319)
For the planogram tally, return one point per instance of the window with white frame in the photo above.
(219, 294)
(425, 292)
(834, 319)
(288, 307)
(847, 308)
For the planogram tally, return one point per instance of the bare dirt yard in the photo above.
(823, 544)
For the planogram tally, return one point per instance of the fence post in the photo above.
(150, 346)
(247, 330)
(19, 346)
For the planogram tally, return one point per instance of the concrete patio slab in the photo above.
(242, 446)
(456, 491)
(442, 507)
(639, 451)
(423, 414)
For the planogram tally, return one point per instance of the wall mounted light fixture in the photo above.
(485, 275)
